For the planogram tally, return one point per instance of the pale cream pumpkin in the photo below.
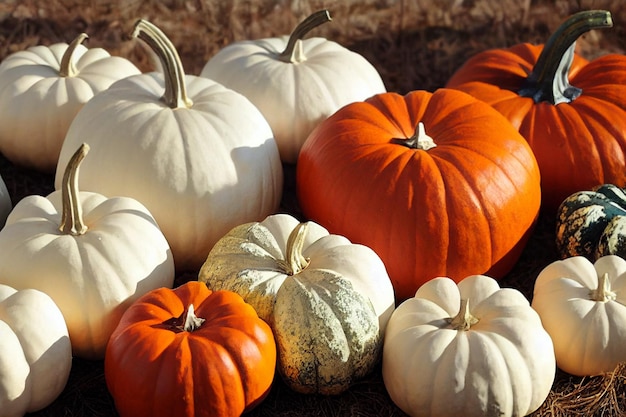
(327, 300)
(295, 82)
(91, 254)
(41, 90)
(583, 307)
(472, 349)
(35, 351)
(199, 156)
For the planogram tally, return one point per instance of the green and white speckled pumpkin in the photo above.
(592, 223)
(327, 300)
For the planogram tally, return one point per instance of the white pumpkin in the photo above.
(199, 156)
(41, 90)
(472, 349)
(35, 351)
(5, 203)
(91, 254)
(583, 307)
(295, 82)
(327, 300)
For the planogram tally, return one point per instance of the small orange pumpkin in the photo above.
(167, 358)
(438, 184)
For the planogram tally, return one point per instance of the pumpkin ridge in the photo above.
(472, 194)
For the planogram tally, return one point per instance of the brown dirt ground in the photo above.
(414, 45)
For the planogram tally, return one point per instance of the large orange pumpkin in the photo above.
(167, 358)
(438, 184)
(571, 111)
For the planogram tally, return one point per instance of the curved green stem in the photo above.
(549, 79)
(68, 68)
(175, 95)
(294, 261)
(72, 212)
(293, 51)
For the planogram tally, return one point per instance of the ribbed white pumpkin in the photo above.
(199, 156)
(91, 254)
(5, 203)
(583, 307)
(327, 300)
(41, 90)
(490, 357)
(295, 82)
(35, 351)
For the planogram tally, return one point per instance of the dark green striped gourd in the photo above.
(592, 223)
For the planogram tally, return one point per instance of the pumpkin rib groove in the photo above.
(473, 195)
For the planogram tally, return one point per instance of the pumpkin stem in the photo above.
(68, 69)
(464, 320)
(603, 293)
(549, 79)
(72, 212)
(186, 322)
(293, 52)
(175, 95)
(294, 261)
(192, 322)
(419, 140)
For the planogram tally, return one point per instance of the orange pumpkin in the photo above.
(438, 184)
(167, 358)
(571, 111)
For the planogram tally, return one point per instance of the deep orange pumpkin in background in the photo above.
(578, 144)
(223, 368)
(463, 207)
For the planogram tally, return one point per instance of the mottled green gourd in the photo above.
(592, 223)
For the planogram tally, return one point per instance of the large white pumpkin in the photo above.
(583, 308)
(327, 300)
(471, 350)
(91, 254)
(295, 82)
(41, 90)
(199, 156)
(35, 351)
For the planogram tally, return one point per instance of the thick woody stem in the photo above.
(72, 212)
(419, 140)
(293, 51)
(549, 79)
(68, 68)
(175, 95)
(294, 261)
(464, 320)
(603, 293)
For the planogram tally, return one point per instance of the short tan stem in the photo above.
(464, 320)
(293, 51)
(294, 261)
(68, 67)
(72, 222)
(175, 95)
(419, 140)
(603, 293)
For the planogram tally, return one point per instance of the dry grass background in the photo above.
(414, 44)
